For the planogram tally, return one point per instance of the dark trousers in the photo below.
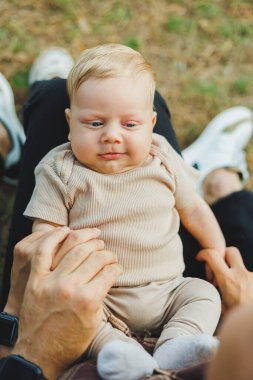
(46, 127)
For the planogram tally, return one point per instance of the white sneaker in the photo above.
(54, 62)
(221, 144)
(9, 119)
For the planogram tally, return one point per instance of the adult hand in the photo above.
(39, 240)
(233, 279)
(233, 360)
(62, 308)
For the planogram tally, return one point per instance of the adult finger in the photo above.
(27, 247)
(102, 282)
(77, 255)
(46, 247)
(30, 238)
(75, 238)
(215, 262)
(209, 273)
(233, 257)
(22, 248)
(94, 263)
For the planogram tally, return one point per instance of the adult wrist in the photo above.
(4, 351)
(29, 353)
(12, 306)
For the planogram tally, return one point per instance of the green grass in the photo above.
(20, 79)
(3, 33)
(22, 43)
(243, 85)
(133, 42)
(176, 24)
(118, 13)
(209, 10)
(209, 88)
(236, 30)
(65, 6)
(202, 89)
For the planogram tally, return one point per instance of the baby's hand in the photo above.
(210, 273)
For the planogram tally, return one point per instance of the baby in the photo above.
(116, 175)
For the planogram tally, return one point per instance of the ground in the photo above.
(201, 51)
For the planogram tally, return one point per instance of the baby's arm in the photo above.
(200, 221)
(43, 225)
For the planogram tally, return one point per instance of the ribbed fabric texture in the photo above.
(135, 210)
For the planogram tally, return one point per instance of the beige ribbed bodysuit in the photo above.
(136, 212)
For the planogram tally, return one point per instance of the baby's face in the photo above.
(111, 123)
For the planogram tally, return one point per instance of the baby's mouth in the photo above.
(111, 155)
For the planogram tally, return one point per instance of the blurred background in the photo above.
(202, 52)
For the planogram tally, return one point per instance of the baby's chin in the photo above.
(112, 170)
(113, 166)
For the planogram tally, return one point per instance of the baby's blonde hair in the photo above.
(108, 61)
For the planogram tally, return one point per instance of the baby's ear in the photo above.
(68, 114)
(154, 118)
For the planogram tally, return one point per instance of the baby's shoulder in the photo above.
(59, 160)
(161, 147)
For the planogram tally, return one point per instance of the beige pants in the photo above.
(183, 306)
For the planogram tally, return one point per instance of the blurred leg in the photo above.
(219, 184)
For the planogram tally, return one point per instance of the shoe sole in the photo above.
(10, 106)
(12, 124)
(226, 120)
(50, 58)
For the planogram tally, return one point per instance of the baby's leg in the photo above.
(186, 337)
(119, 356)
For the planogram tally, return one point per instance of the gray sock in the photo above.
(184, 351)
(119, 360)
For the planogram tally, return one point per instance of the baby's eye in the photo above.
(130, 124)
(95, 124)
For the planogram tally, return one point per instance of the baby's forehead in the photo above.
(142, 78)
(139, 83)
